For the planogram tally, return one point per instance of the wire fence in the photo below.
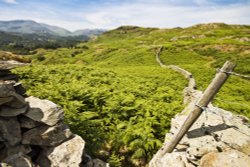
(235, 74)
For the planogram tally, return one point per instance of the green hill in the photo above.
(120, 100)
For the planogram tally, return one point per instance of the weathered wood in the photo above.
(208, 95)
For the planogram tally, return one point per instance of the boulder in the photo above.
(230, 158)
(10, 130)
(44, 111)
(68, 153)
(45, 135)
(17, 160)
(6, 111)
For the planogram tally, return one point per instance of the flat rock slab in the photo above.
(45, 135)
(9, 77)
(67, 154)
(6, 111)
(11, 64)
(44, 111)
(4, 100)
(10, 130)
(231, 158)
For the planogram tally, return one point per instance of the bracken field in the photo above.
(120, 100)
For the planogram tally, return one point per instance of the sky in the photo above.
(110, 14)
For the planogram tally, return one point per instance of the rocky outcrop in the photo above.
(217, 139)
(32, 131)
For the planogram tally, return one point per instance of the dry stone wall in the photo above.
(217, 139)
(32, 131)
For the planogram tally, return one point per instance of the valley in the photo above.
(117, 97)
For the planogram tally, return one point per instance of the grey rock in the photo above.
(11, 150)
(44, 111)
(4, 100)
(10, 130)
(9, 77)
(68, 153)
(8, 65)
(28, 123)
(6, 111)
(18, 102)
(6, 88)
(45, 135)
(230, 158)
(17, 160)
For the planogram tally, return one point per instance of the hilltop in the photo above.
(117, 97)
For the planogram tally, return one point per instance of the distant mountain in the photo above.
(32, 27)
(23, 36)
(89, 32)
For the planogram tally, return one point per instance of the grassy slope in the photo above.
(118, 72)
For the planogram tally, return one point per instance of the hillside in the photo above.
(115, 94)
(26, 43)
(24, 36)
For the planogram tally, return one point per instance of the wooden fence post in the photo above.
(208, 95)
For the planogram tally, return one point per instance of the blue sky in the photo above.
(109, 14)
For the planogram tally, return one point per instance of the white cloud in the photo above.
(146, 13)
(159, 15)
(10, 1)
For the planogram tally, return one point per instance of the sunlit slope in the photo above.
(201, 49)
(120, 100)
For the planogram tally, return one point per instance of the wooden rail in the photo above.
(206, 98)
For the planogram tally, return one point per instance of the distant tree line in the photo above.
(25, 43)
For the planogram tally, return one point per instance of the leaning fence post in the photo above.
(208, 95)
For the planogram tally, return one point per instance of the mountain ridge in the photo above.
(33, 27)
